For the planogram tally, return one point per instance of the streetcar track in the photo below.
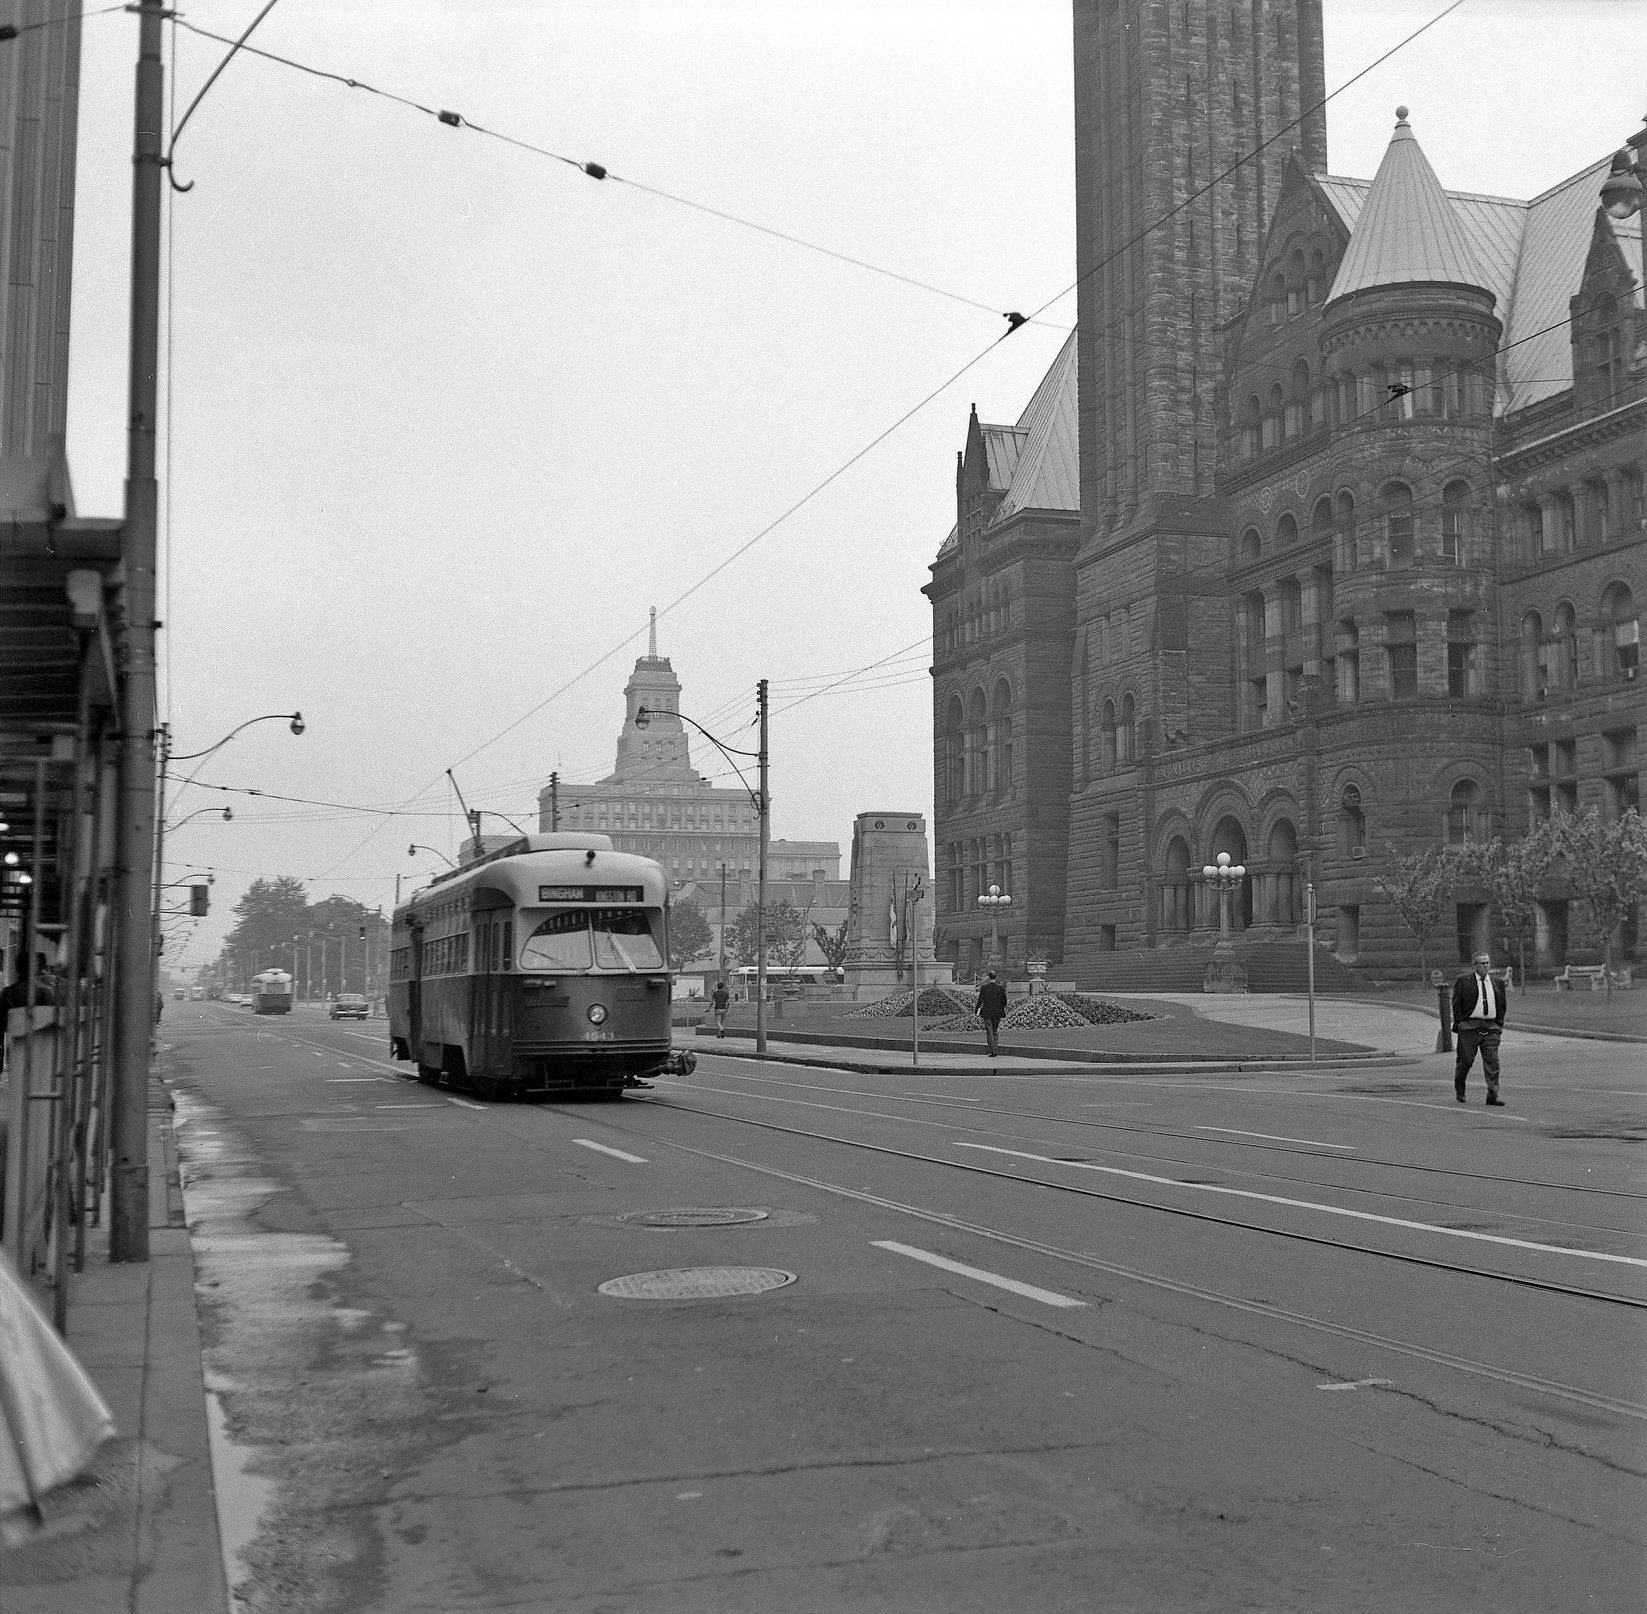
(1168, 1132)
(1612, 1405)
(1560, 1223)
(1436, 1263)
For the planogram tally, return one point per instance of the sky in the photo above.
(443, 416)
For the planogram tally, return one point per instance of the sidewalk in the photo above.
(138, 1533)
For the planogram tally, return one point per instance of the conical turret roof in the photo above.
(1407, 233)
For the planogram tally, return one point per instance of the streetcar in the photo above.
(272, 992)
(542, 967)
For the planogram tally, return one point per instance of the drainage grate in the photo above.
(696, 1283)
(696, 1216)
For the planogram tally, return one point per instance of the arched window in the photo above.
(955, 752)
(1621, 633)
(1001, 746)
(1281, 879)
(1455, 499)
(1347, 557)
(1396, 499)
(1315, 284)
(1273, 417)
(1295, 275)
(1565, 664)
(1321, 521)
(1083, 713)
(977, 773)
(1125, 732)
(1250, 427)
(1298, 405)
(1533, 677)
(1353, 819)
(1286, 532)
(1278, 298)
(1106, 736)
(1347, 663)
(1464, 812)
(1251, 545)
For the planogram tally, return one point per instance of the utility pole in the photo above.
(760, 883)
(554, 802)
(134, 979)
(720, 962)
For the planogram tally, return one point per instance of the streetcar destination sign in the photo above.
(590, 893)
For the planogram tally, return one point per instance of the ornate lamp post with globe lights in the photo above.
(1224, 972)
(992, 902)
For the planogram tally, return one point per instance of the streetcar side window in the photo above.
(508, 944)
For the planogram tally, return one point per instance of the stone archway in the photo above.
(1279, 895)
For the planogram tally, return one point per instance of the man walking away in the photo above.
(719, 999)
(990, 1007)
(1478, 1022)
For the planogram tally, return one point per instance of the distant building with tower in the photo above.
(655, 803)
(1324, 536)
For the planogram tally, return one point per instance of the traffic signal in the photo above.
(199, 897)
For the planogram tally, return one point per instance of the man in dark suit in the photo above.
(1478, 1022)
(991, 1006)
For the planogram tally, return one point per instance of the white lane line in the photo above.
(1028, 1290)
(616, 1154)
(944, 1098)
(1357, 1384)
(432, 1104)
(1315, 1143)
(333, 1081)
(1311, 1205)
(466, 1103)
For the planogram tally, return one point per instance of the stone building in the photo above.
(1359, 545)
(655, 803)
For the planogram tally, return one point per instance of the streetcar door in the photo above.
(414, 995)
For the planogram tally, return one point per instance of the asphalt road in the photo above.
(1097, 1341)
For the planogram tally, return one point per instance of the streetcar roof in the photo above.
(518, 869)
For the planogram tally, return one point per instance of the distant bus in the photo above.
(272, 992)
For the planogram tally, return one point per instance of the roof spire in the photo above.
(1408, 232)
(652, 643)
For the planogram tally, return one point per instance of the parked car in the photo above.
(350, 1006)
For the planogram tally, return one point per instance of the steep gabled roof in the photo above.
(1407, 232)
(1531, 255)
(1047, 475)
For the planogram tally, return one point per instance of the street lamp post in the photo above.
(762, 799)
(418, 846)
(993, 901)
(1224, 972)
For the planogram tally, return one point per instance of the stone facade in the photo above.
(1360, 540)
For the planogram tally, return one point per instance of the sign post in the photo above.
(1309, 953)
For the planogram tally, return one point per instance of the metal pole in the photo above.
(720, 961)
(554, 801)
(1309, 944)
(134, 1019)
(760, 885)
(912, 896)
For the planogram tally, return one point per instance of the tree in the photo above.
(1419, 885)
(267, 919)
(1512, 874)
(831, 943)
(1606, 866)
(690, 937)
(785, 935)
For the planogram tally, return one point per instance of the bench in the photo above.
(1592, 975)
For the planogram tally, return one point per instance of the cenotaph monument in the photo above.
(889, 913)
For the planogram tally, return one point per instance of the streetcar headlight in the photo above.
(597, 1014)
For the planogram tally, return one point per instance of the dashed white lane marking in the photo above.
(946, 1098)
(336, 1080)
(616, 1154)
(1272, 1137)
(432, 1104)
(1357, 1384)
(1046, 1296)
(466, 1103)
(1311, 1205)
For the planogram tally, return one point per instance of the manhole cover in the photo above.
(696, 1216)
(696, 1283)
